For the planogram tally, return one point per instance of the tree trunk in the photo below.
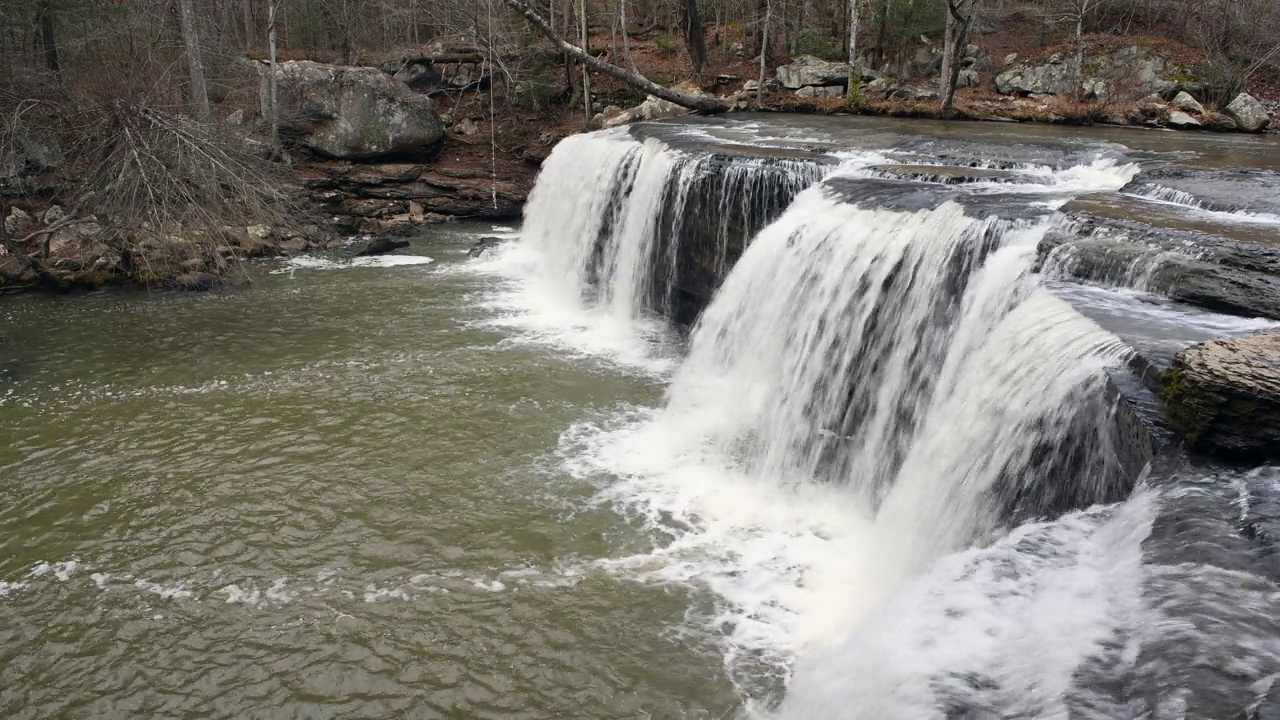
(959, 18)
(695, 41)
(706, 105)
(273, 83)
(882, 49)
(626, 34)
(191, 39)
(1079, 68)
(246, 7)
(586, 72)
(764, 48)
(855, 69)
(48, 38)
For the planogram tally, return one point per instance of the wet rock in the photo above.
(1184, 102)
(1180, 120)
(18, 222)
(1248, 114)
(483, 245)
(1224, 397)
(809, 71)
(382, 246)
(353, 113)
(196, 281)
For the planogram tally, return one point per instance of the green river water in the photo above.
(328, 493)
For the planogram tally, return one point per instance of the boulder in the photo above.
(654, 108)
(1224, 397)
(1248, 114)
(1179, 120)
(1184, 102)
(1010, 59)
(18, 222)
(1220, 123)
(908, 92)
(483, 245)
(807, 70)
(382, 246)
(967, 78)
(352, 113)
(809, 91)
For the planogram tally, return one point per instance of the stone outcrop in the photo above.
(1186, 103)
(1224, 397)
(386, 197)
(352, 113)
(1249, 114)
(809, 71)
(1127, 73)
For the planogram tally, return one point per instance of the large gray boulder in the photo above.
(1249, 114)
(352, 113)
(1130, 72)
(1224, 396)
(809, 71)
(1186, 103)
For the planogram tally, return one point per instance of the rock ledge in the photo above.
(1224, 396)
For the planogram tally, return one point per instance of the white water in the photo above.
(870, 400)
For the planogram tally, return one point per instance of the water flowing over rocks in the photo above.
(352, 113)
(1224, 396)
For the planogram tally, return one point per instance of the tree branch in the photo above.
(706, 105)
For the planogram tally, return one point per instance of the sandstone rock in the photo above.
(18, 222)
(1248, 114)
(1180, 120)
(808, 70)
(1224, 396)
(1184, 102)
(352, 113)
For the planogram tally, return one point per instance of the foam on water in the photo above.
(309, 262)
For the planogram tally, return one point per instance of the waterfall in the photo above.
(636, 228)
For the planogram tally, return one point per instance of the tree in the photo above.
(48, 38)
(708, 105)
(959, 21)
(855, 68)
(695, 41)
(195, 63)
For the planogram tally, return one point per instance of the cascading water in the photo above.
(880, 389)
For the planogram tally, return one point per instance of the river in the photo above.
(883, 477)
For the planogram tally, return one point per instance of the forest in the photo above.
(145, 118)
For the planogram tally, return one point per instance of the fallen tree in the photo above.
(702, 104)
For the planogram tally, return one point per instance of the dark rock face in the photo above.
(196, 281)
(1224, 397)
(373, 198)
(353, 113)
(382, 246)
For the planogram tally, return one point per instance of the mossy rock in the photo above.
(1224, 397)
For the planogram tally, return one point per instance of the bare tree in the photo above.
(195, 62)
(273, 82)
(699, 103)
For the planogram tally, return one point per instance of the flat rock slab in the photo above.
(1224, 397)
